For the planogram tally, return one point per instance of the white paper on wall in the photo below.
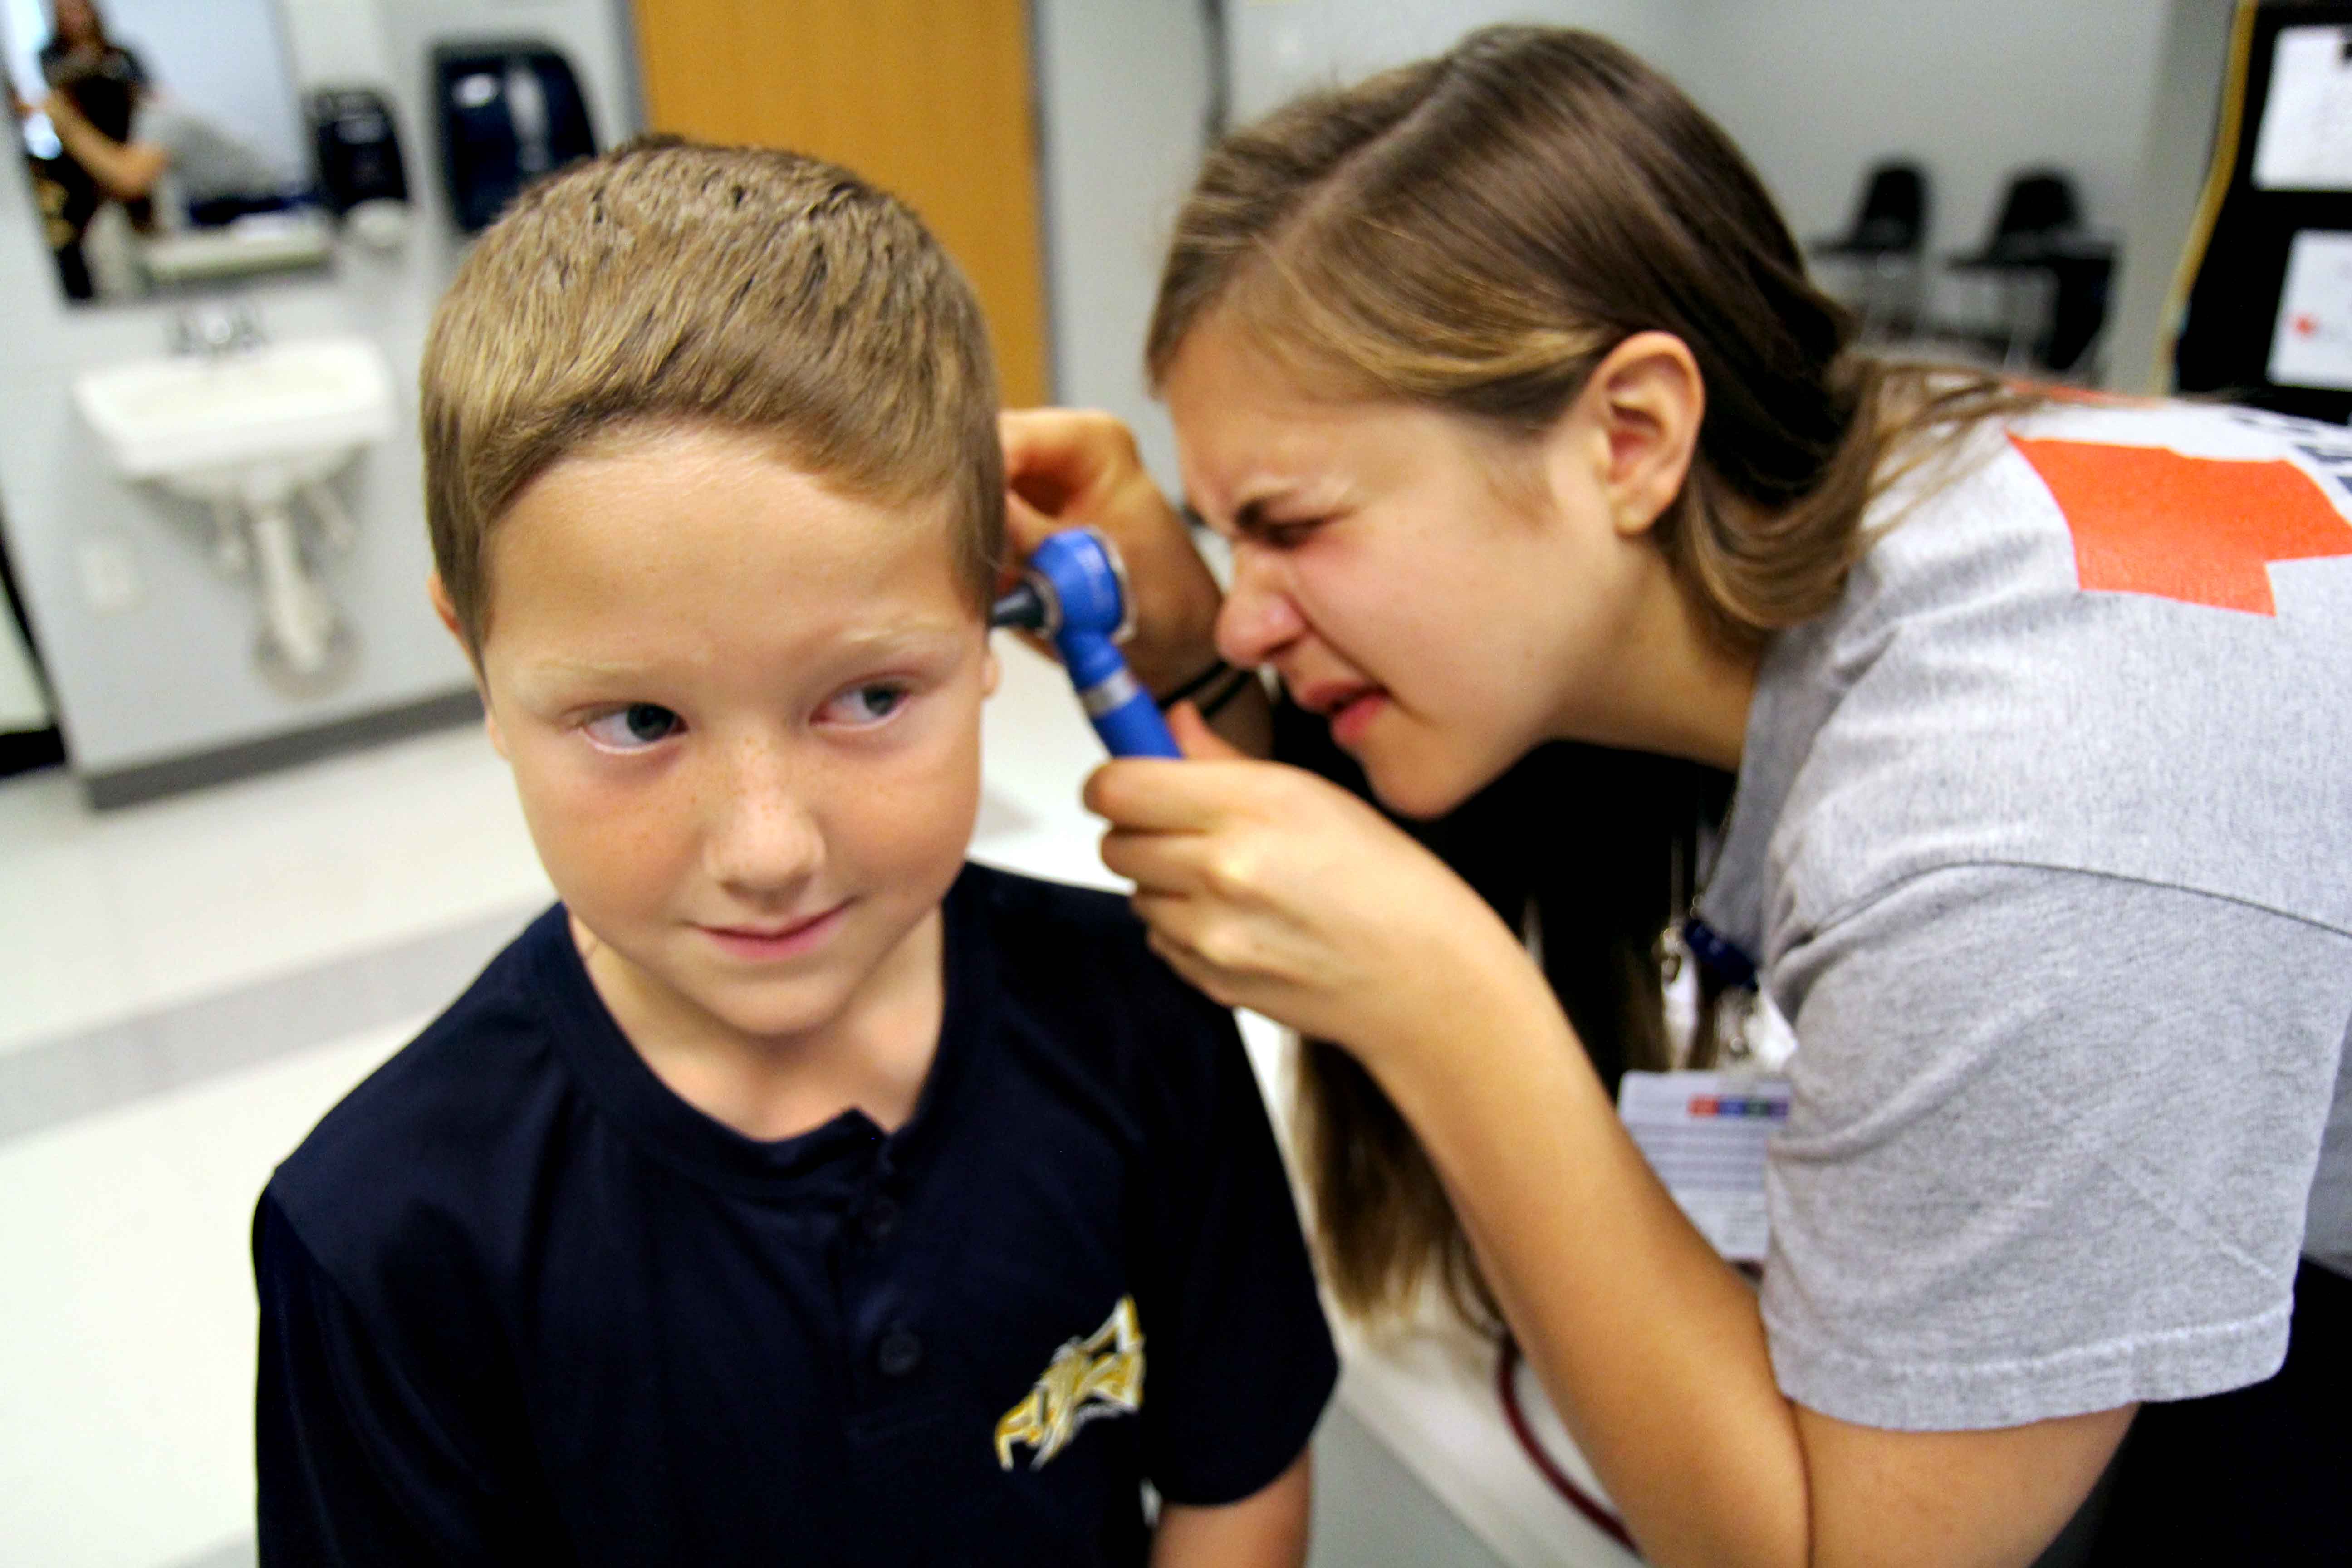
(2311, 345)
(2306, 142)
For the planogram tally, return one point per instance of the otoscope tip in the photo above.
(1023, 606)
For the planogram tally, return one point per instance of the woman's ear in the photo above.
(1639, 418)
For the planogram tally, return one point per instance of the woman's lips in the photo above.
(1351, 706)
(776, 942)
(1355, 715)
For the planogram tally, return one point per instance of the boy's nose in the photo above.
(1258, 619)
(763, 840)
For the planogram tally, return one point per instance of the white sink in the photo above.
(190, 417)
(252, 431)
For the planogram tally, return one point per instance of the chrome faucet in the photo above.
(215, 329)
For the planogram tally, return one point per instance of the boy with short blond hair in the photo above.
(792, 1190)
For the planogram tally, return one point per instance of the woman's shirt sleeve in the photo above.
(2051, 1146)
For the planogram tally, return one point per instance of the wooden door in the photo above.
(929, 99)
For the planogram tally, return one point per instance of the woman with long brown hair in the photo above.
(1503, 376)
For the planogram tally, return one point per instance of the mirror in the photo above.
(162, 142)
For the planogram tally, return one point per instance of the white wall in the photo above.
(1123, 90)
(1816, 91)
(227, 60)
(176, 674)
(1122, 93)
(2163, 206)
(1285, 47)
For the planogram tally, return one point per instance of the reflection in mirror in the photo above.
(162, 140)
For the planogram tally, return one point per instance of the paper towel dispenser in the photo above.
(509, 113)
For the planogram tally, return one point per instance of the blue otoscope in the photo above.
(1075, 594)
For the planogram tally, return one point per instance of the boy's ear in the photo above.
(438, 593)
(435, 591)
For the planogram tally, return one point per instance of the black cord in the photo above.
(1216, 703)
(1218, 668)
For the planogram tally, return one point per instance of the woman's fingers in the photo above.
(1270, 888)
(1158, 862)
(1066, 468)
(1201, 744)
(1156, 796)
(1054, 455)
(1025, 526)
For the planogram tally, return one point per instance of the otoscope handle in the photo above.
(1117, 705)
(1076, 592)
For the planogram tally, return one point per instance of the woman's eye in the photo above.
(1290, 533)
(632, 728)
(867, 704)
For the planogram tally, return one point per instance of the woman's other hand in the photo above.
(1270, 888)
(1067, 468)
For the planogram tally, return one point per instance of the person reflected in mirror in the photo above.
(89, 76)
(168, 165)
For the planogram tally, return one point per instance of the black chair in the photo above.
(2053, 275)
(1885, 243)
(2038, 210)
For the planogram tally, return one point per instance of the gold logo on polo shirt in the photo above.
(1101, 1374)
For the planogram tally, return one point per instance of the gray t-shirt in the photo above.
(2043, 836)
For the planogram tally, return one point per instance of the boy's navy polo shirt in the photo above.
(521, 1303)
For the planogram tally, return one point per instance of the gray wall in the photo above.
(175, 673)
(2174, 160)
(1123, 93)
(1813, 90)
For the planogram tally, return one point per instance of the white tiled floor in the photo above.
(126, 1308)
(108, 916)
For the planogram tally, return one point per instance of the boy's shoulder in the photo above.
(1077, 950)
(1078, 986)
(433, 1135)
(1026, 912)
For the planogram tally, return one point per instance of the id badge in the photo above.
(1705, 1135)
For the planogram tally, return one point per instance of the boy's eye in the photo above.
(632, 728)
(867, 704)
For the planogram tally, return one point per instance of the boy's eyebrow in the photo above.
(860, 639)
(925, 630)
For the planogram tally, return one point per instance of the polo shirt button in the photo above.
(899, 1353)
(880, 1218)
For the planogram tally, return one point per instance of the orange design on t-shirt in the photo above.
(2148, 520)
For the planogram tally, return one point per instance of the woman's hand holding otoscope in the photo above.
(1075, 594)
(1265, 886)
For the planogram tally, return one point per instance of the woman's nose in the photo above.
(1258, 619)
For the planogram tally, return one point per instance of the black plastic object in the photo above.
(2039, 231)
(510, 113)
(2223, 348)
(1893, 218)
(358, 147)
(2038, 213)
